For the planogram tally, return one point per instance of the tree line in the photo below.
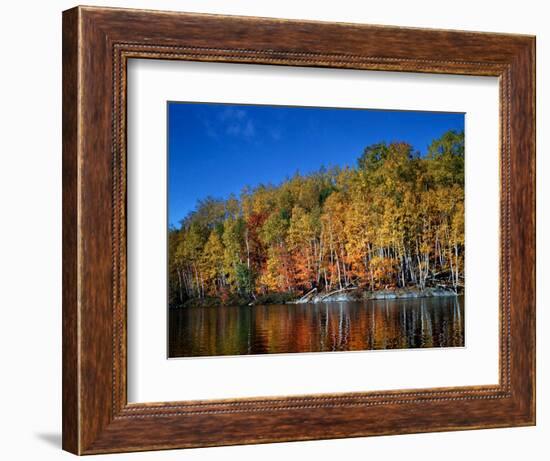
(395, 220)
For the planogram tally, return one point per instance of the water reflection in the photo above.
(337, 326)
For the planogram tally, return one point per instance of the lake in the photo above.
(323, 327)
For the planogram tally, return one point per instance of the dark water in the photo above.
(335, 326)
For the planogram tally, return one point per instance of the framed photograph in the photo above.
(282, 230)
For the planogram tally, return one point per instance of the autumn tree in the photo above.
(395, 220)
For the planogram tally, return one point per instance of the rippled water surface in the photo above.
(335, 326)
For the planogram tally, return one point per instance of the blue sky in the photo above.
(217, 149)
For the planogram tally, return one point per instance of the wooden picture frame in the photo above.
(97, 43)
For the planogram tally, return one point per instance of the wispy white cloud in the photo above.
(237, 122)
(232, 114)
(275, 133)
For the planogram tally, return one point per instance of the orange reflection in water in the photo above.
(324, 327)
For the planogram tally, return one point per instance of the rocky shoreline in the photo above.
(362, 295)
(314, 297)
